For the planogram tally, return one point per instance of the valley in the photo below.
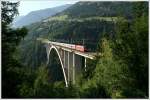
(115, 32)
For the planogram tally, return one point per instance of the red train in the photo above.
(80, 48)
(72, 46)
(76, 47)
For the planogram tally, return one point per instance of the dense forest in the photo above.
(119, 31)
(105, 9)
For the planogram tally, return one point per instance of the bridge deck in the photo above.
(66, 47)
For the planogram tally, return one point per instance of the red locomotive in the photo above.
(72, 46)
(80, 48)
(77, 47)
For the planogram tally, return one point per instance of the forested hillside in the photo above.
(116, 30)
(36, 16)
(63, 26)
(109, 9)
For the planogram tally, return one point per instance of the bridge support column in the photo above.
(47, 46)
(73, 68)
(61, 53)
(64, 59)
(68, 68)
(85, 63)
(64, 63)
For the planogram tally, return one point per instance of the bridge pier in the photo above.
(73, 68)
(68, 68)
(47, 46)
(85, 63)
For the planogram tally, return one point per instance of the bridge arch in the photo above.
(60, 59)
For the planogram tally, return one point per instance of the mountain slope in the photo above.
(36, 16)
(16, 19)
(88, 8)
(83, 20)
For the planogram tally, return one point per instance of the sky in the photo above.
(30, 5)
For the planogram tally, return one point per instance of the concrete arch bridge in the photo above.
(70, 58)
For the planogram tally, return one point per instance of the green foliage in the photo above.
(109, 72)
(63, 92)
(9, 11)
(122, 59)
(11, 68)
(25, 90)
(131, 46)
(95, 91)
(42, 77)
(91, 64)
(140, 8)
(103, 9)
(119, 71)
(40, 87)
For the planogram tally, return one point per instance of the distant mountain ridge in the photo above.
(36, 16)
(17, 19)
(83, 9)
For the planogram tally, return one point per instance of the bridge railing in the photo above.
(90, 45)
